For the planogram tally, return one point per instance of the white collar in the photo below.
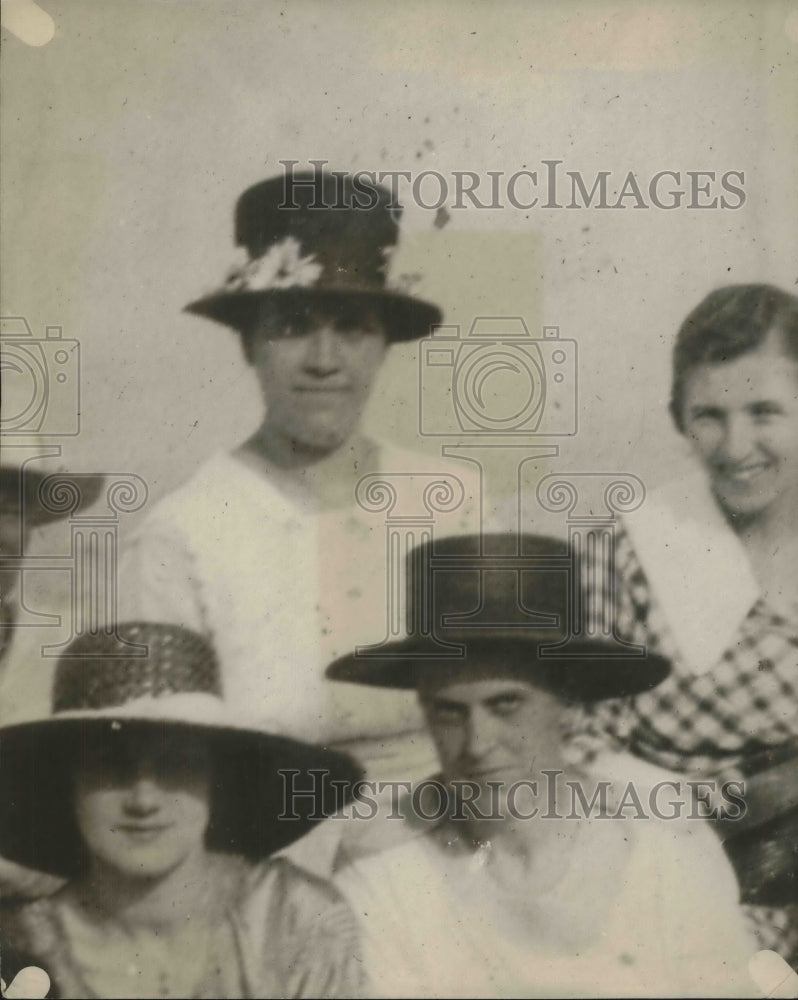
(696, 566)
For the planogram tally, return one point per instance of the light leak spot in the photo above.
(27, 21)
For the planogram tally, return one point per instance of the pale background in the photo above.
(127, 138)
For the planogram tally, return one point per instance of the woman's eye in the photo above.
(354, 329)
(110, 768)
(448, 714)
(352, 334)
(356, 325)
(765, 411)
(506, 706)
(706, 414)
(296, 328)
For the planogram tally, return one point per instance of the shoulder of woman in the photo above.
(688, 857)
(174, 523)
(297, 894)
(27, 928)
(304, 927)
(12, 919)
(213, 474)
(390, 887)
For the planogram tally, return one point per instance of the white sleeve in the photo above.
(158, 578)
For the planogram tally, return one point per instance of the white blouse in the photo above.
(659, 917)
(282, 587)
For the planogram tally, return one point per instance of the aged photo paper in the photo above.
(485, 226)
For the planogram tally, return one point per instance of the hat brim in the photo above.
(584, 671)
(406, 317)
(251, 814)
(29, 503)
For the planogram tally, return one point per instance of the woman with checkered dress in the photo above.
(706, 572)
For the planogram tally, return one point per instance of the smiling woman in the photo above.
(735, 396)
(742, 418)
(142, 805)
(706, 574)
(159, 810)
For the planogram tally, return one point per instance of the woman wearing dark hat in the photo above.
(159, 809)
(23, 509)
(516, 887)
(265, 549)
(705, 572)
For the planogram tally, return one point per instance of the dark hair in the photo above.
(728, 323)
(272, 315)
(231, 829)
(277, 318)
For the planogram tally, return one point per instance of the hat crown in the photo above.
(318, 237)
(348, 229)
(507, 600)
(143, 659)
(490, 583)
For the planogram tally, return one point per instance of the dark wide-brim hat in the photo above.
(41, 497)
(104, 688)
(320, 237)
(511, 602)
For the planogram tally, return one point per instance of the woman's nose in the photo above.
(483, 733)
(738, 438)
(144, 795)
(323, 356)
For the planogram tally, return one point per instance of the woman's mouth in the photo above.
(322, 390)
(743, 475)
(143, 832)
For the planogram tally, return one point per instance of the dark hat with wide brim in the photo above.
(253, 812)
(590, 670)
(317, 238)
(268, 789)
(405, 318)
(42, 497)
(502, 603)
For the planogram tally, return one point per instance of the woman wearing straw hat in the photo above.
(265, 548)
(514, 885)
(158, 809)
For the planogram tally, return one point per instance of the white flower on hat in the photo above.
(282, 266)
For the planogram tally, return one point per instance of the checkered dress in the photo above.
(709, 725)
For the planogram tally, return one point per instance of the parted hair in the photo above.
(730, 322)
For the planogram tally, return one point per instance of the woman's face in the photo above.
(741, 417)
(142, 801)
(316, 377)
(493, 729)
